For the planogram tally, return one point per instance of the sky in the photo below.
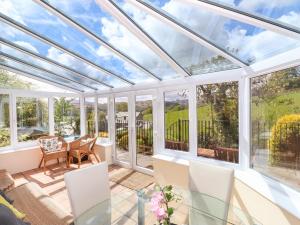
(250, 44)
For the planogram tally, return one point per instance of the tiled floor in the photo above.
(53, 181)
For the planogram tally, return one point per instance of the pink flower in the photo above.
(157, 207)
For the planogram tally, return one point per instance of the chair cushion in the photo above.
(39, 207)
(7, 217)
(84, 141)
(50, 144)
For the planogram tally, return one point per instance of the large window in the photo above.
(4, 120)
(89, 104)
(275, 121)
(177, 120)
(67, 117)
(32, 118)
(102, 117)
(217, 123)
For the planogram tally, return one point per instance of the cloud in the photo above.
(27, 45)
(256, 4)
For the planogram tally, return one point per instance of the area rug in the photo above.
(131, 179)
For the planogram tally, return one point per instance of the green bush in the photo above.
(4, 137)
(284, 138)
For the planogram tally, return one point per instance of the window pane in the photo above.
(247, 42)
(193, 57)
(217, 112)
(102, 117)
(121, 115)
(89, 104)
(67, 117)
(144, 131)
(109, 29)
(32, 118)
(275, 118)
(177, 120)
(15, 81)
(4, 121)
(282, 11)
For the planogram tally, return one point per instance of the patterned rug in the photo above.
(131, 179)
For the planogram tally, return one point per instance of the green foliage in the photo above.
(13, 81)
(286, 128)
(4, 137)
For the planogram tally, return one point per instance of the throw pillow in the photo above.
(50, 144)
(8, 218)
(10, 201)
(18, 214)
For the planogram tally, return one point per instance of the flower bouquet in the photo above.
(160, 203)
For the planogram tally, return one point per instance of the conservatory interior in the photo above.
(150, 112)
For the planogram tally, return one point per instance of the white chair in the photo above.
(212, 181)
(88, 187)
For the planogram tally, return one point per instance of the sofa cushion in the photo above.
(18, 214)
(7, 217)
(39, 207)
(10, 201)
(6, 180)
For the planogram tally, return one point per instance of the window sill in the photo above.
(25, 147)
(278, 193)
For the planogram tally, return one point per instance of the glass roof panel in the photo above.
(32, 44)
(44, 75)
(285, 11)
(54, 69)
(40, 20)
(195, 58)
(92, 16)
(246, 42)
(17, 81)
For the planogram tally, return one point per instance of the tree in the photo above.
(11, 80)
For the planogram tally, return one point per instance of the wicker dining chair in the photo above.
(81, 147)
(60, 152)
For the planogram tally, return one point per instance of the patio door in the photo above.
(144, 131)
(134, 130)
(123, 131)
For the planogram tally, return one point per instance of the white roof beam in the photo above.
(186, 31)
(247, 17)
(40, 37)
(94, 37)
(124, 19)
(38, 78)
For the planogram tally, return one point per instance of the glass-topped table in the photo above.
(194, 208)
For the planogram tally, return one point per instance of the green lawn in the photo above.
(281, 105)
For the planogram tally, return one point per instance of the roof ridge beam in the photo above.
(133, 27)
(46, 40)
(186, 31)
(39, 78)
(248, 17)
(7, 56)
(50, 61)
(94, 36)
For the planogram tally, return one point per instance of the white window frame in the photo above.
(15, 145)
(102, 139)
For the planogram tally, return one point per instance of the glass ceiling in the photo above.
(114, 57)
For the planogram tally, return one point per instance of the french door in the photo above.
(134, 130)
